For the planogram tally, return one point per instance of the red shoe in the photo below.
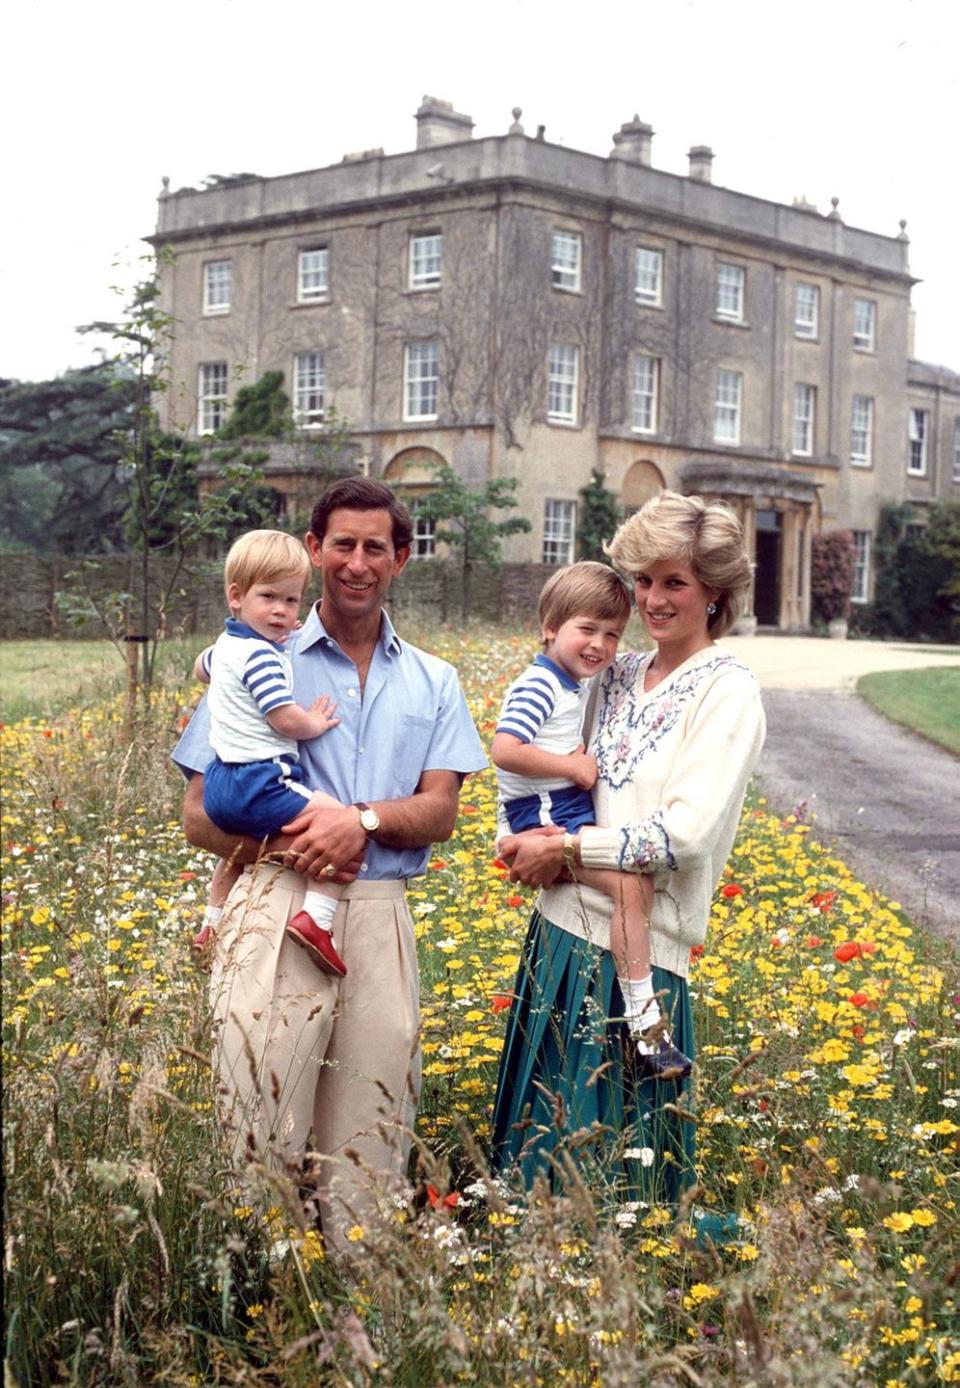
(318, 943)
(201, 946)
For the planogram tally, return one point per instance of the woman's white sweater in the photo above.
(673, 770)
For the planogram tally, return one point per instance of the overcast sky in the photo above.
(100, 99)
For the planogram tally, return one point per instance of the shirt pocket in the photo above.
(410, 752)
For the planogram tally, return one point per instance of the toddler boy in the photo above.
(545, 776)
(254, 784)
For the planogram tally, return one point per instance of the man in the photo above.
(300, 1052)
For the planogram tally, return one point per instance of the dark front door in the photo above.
(767, 585)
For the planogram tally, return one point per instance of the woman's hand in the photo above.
(534, 858)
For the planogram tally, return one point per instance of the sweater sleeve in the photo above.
(707, 780)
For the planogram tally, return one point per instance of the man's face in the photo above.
(357, 562)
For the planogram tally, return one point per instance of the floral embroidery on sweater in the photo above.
(629, 729)
(646, 845)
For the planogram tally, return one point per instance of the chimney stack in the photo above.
(439, 124)
(701, 163)
(633, 142)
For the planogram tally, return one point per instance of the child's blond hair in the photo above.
(262, 556)
(587, 589)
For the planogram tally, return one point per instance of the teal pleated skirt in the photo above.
(566, 1098)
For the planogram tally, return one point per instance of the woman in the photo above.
(676, 732)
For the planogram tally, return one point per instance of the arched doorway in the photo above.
(412, 473)
(643, 480)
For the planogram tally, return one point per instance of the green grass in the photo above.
(928, 701)
(41, 679)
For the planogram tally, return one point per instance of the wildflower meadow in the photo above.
(825, 1099)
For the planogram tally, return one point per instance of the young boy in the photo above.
(545, 775)
(254, 785)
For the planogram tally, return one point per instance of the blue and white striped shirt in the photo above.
(543, 706)
(249, 678)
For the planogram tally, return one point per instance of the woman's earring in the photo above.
(711, 608)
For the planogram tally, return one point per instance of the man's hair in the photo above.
(363, 494)
(263, 556)
(704, 535)
(587, 589)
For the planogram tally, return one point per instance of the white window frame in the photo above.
(861, 431)
(423, 540)
(563, 384)
(313, 275)
(865, 325)
(728, 407)
(648, 276)
(213, 383)
(559, 531)
(918, 438)
(804, 419)
(309, 389)
(646, 394)
(217, 287)
(731, 291)
(566, 258)
(862, 546)
(421, 380)
(806, 324)
(426, 260)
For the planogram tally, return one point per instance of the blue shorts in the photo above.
(255, 797)
(570, 808)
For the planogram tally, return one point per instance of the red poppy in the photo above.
(187, 876)
(867, 947)
(514, 900)
(437, 864)
(696, 951)
(814, 942)
(858, 999)
(500, 1002)
(499, 865)
(447, 1201)
(469, 809)
(858, 1033)
(731, 889)
(850, 949)
(823, 901)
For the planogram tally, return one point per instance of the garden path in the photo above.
(889, 799)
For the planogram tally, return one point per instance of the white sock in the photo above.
(321, 909)
(212, 915)
(642, 1010)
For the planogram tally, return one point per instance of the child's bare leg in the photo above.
(632, 895)
(225, 876)
(312, 926)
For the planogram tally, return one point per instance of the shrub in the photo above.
(831, 575)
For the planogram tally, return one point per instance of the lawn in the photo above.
(928, 701)
(825, 1102)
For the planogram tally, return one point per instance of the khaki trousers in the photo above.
(300, 1052)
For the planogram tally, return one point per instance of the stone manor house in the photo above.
(517, 308)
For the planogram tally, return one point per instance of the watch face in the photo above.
(370, 820)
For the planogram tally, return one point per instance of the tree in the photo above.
(831, 574)
(600, 514)
(62, 481)
(463, 521)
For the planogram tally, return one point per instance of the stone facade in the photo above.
(516, 308)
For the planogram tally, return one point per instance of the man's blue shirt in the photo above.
(412, 718)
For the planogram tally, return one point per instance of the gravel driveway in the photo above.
(888, 799)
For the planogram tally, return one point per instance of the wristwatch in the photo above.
(570, 853)
(369, 819)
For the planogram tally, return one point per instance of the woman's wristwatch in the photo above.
(569, 853)
(369, 819)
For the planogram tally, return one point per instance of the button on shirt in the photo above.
(412, 718)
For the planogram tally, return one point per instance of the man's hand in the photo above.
(534, 858)
(321, 837)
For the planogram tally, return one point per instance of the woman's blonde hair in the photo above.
(263, 556)
(705, 535)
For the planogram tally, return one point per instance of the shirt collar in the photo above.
(234, 627)
(314, 633)
(565, 679)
